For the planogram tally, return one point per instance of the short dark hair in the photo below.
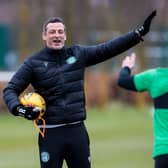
(52, 20)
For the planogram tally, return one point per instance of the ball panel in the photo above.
(33, 99)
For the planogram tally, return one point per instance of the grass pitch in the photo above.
(120, 137)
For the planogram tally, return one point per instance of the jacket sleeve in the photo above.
(125, 79)
(18, 83)
(102, 52)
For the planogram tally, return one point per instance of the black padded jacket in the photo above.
(58, 75)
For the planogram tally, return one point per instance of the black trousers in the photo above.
(69, 143)
(161, 161)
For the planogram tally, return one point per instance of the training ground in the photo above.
(120, 137)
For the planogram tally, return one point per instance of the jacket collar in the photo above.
(55, 52)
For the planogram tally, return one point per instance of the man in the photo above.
(155, 82)
(57, 74)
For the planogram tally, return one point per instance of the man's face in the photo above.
(55, 35)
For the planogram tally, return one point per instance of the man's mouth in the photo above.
(55, 41)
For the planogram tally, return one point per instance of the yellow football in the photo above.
(35, 100)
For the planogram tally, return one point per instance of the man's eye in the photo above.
(51, 32)
(60, 31)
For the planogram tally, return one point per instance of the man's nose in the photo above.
(56, 33)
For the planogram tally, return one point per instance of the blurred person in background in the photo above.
(56, 72)
(154, 81)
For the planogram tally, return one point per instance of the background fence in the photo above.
(101, 89)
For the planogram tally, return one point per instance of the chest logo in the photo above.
(71, 60)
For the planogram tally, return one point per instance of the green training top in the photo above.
(155, 81)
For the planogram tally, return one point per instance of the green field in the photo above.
(120, 135)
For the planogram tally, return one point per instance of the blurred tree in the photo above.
(76, 20)
(88, 22)
(24, 28)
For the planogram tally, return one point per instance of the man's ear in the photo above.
(44, 36)
(65, 36)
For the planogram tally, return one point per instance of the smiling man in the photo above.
(57, 74)
(54, 34)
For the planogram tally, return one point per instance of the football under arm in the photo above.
(125, 80)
